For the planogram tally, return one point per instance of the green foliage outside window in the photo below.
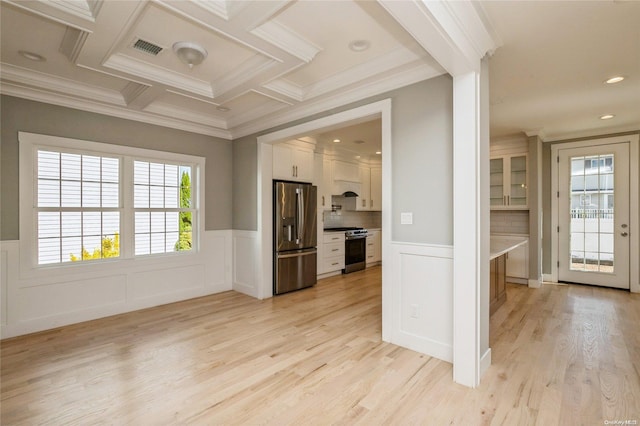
(185, 229)
(110, 248)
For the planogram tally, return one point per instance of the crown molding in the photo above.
(110, 110)
(129, 65)
(132, 90)
(393, 60)
(536, 132)
(62, 12)
(285, 88)
(82, 9)
(593, 133)
(24, 77)
(286, 39)
(218, 7)
(257, 113)
(411, 75)
(185, 115)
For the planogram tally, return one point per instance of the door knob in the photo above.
(624, 234)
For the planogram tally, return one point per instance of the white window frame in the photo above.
(30, 143)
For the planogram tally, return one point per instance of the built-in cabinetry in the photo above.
(376, 188)
(497, 283)
(332, 252)
(517, 268)
(361, 178)
(293, 161)
(509, 182)
(322, 179)
(374, 247)
(370, 197)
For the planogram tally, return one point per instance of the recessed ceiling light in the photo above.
(336, 141)
(359, 45)
(616, 79)
(378, 152)
(223, 109)
(32, 56)
(606, 117)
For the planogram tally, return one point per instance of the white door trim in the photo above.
(634, 202)
(264, 241)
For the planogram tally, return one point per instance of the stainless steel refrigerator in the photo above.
(294, 236)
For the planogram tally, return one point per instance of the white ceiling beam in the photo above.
(454, 33)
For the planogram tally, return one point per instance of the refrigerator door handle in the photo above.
(299, 215)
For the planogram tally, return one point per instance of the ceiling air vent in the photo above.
(147, 47)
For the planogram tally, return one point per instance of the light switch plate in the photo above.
(406, 218)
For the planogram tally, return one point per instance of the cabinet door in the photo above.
(303, 165)
(376, 189)
(327, 184)
(508, 182)
(517, 195)
(363, 200)
(518, 262)
(496, 179)
(282, 162)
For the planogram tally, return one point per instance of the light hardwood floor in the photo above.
(561, 355)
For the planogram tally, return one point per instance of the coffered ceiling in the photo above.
(274, 61)
(268, 62)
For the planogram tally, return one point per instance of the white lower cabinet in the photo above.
(518, 264)
(374, 246)
(332, 252)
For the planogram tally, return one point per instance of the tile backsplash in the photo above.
(342, 218)
(510, 222)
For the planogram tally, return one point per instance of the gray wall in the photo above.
(35, 117)
(422, 181)
(546, 194)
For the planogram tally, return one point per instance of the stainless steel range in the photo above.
(355, 248)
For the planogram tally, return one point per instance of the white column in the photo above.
(470, 254)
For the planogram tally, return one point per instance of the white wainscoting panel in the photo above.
(422, 298)
(40, 301)
(245, 262)
(163, 281)
(4, 283)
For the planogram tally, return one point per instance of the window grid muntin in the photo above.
(591, 227)
(148, 178)
(58, 175)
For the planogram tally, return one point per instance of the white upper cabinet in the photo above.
(322, 172)
(292, 162)
(509, 182)
(376, 188)
(363, 200)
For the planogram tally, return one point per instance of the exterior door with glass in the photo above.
(593, 209)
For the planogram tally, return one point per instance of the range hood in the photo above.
(346, 188)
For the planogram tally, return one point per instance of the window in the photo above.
(78, 207)
(86, 202)
(162, 202)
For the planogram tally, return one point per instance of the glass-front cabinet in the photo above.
(509, 182)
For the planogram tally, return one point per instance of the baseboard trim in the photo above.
(534, 283)
(485, 362)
